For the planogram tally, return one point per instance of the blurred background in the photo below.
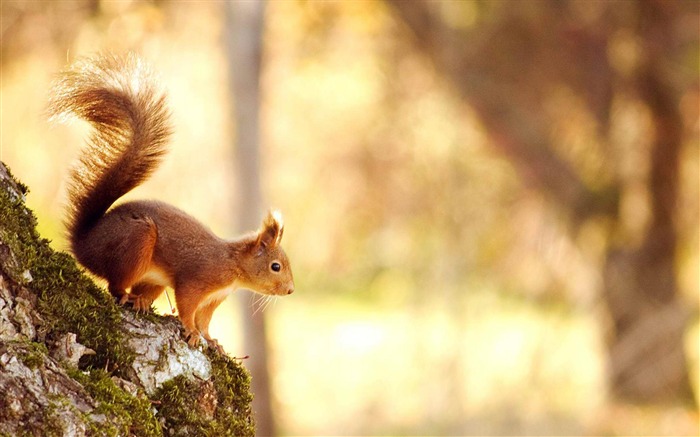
(491, 207)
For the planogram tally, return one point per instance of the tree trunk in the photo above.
(647, 359)
(502, 69)
(245, 24)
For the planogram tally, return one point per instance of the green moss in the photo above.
(233, 393)
(176, 400)
(180, 397)
(33, 354)
(51, 423)
(72, 303)
(67, 299)
(128, 415)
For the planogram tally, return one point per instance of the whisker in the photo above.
(269, 300)
(256, 300)
(264, 304)
(273, 301)
(261, 304)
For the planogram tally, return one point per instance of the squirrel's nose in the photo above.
(290, 290)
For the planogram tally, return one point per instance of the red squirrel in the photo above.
(144, 246)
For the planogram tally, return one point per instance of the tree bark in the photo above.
(245, 23)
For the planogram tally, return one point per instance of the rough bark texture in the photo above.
(74, 363)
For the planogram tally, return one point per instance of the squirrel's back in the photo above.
(119, 98)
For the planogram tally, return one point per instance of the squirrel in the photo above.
(145, 246)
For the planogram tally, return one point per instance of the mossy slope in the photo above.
(67, 301)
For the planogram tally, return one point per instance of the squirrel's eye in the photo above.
(276, 267)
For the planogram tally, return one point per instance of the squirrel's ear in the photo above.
(272, 229)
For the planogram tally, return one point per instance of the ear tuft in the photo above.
(272, 229)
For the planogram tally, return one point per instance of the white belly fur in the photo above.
(216, 296)
(156, 276)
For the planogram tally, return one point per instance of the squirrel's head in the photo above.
(265, 263)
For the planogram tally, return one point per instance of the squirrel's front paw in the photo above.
(138, 303)
(192, 337)
(141, 304)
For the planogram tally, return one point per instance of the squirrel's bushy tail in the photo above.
(119, 98)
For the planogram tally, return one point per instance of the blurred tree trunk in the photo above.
(503, 67)
(244, 40)
(647, 360)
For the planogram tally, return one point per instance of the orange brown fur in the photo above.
(145, 246)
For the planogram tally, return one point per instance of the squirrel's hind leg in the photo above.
(131, 257)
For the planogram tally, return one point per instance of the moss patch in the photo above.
(51, 423)
(68, 301)
(233, 391)
(134, 414)
(184, 407)
(33, 354)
